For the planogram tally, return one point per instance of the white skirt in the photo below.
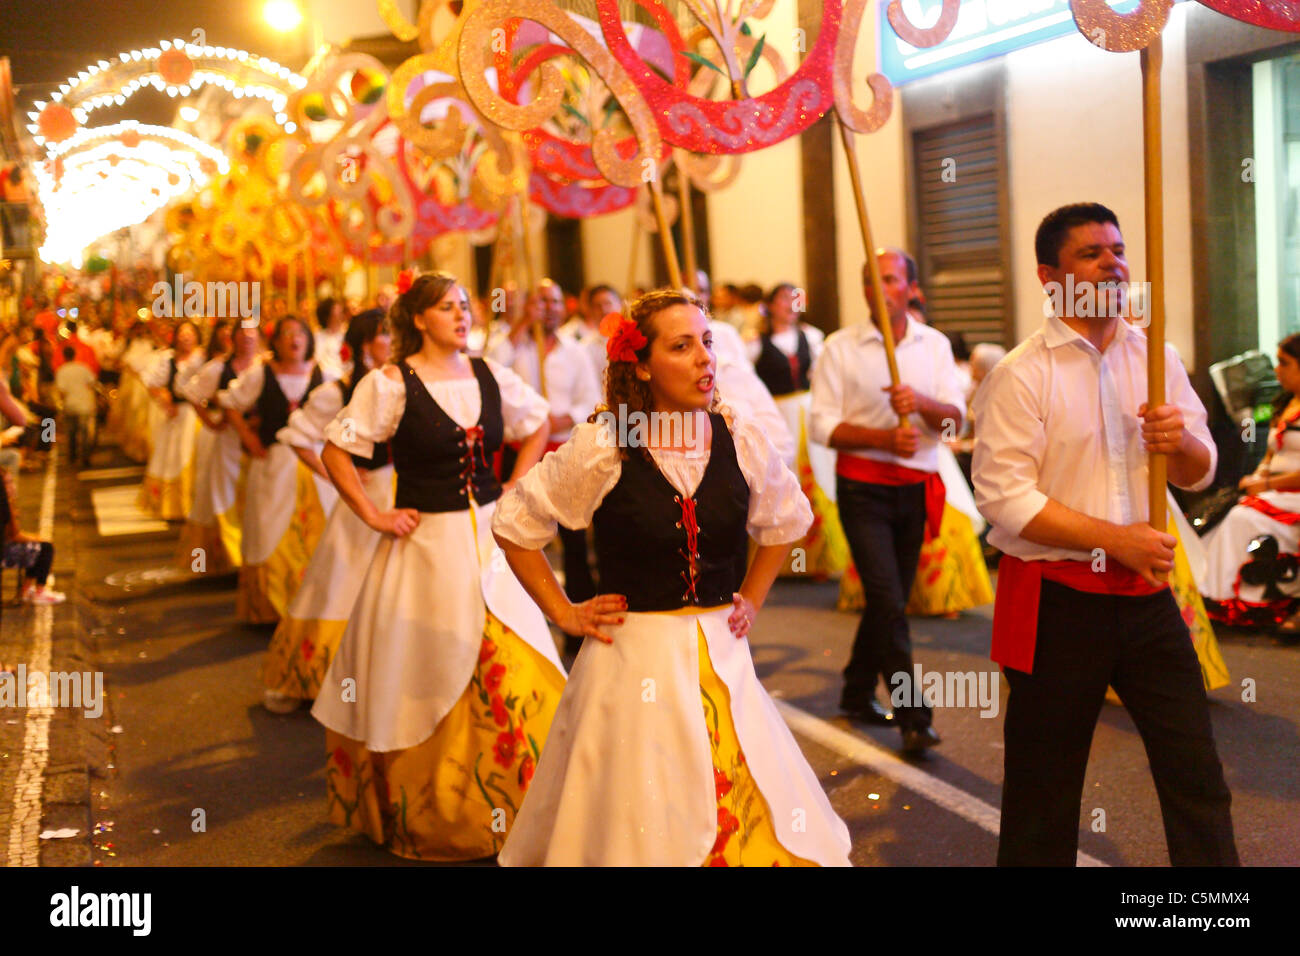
(416, 630)
(337, 568)
(626, 777)
(1225, 548)
(216, 478)
(269, 498)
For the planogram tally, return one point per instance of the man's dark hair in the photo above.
(596, 290)
(1056, 225)
(324, 309)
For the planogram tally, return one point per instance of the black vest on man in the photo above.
(273, 406)
(439, 464)
(775, 368)
(665, 552)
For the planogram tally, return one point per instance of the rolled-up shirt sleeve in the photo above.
(1009, 445)
(307, 424)
(827, 409)
(371, 416)
(1178, 389)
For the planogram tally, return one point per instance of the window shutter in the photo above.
(962, 216)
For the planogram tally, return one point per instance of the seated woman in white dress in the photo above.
(1255, 585)
(665, 749)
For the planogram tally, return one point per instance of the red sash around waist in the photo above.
(1015, 609)
(875, 472)
(1272, 510)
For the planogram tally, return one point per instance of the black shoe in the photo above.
(872, 712)
(919, 739)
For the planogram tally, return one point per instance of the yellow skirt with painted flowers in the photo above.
(455, 795)
(745, 833)
(951, 575)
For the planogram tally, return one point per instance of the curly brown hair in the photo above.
(622, 387)
(425, 292)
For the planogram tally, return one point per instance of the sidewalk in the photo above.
(52, 758)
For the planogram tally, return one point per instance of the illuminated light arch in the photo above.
(98, 185)
(239, 72)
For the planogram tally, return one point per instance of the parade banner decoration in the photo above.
(1271, 14)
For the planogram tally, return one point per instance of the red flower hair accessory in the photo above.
(624, 337)
(404, 280)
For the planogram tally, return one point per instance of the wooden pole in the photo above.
(631, 260)
(688, 223)
(665, 236)
(372, 277)
(539, 334)
(292, 279)
(1152, 58)
(878, 307)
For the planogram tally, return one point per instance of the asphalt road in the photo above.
(199, 774)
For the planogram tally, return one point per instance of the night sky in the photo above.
(48, 40)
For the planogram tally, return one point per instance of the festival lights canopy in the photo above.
(104, 179)
(174, 67)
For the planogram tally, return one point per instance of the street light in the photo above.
(282, 15)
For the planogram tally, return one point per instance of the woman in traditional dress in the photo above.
(666, 749)
(210, 540)
(285, 503)
(308, 635)
(132, 424)
(440, 697)
(1253, 555)
(169, 477)
(783, 355)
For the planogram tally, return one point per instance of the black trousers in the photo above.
(1141, 647)
(885, 528)
(35, 557)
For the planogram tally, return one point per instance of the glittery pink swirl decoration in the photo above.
(578, 200)
(433, 217)
(558, 156)
(1271, 14)
(923, 36)
(732, 126)
(1120, 32)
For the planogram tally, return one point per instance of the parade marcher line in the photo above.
(24, 834)
(867, 754)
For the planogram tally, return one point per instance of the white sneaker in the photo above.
(278, 703)
(43, 596)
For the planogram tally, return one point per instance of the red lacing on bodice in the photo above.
(692, 550)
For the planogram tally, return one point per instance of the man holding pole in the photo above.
(887, 483)
(1060, 471)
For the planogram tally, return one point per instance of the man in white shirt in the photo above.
(77, 383)
(887, 483)
(573, 392)
(598, 302)
(1060, 471)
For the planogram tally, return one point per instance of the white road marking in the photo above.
(867, 754)
(24, 833)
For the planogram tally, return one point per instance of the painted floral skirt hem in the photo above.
(300, 655)
(746, 836)
(455, 795)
